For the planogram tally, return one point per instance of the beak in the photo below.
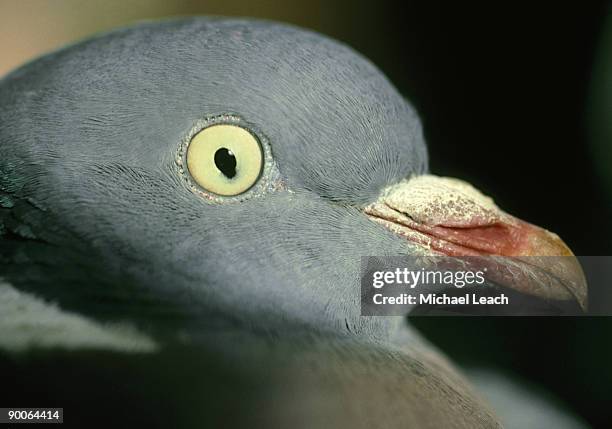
(450, 217)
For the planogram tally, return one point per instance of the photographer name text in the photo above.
(439, 299)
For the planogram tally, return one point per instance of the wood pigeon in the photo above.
(183, 209)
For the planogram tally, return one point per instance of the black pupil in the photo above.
(226, 162)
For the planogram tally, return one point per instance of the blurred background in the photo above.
(514, 98)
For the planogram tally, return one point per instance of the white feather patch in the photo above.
(28, 322)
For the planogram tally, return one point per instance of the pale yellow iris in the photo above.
(240, 143)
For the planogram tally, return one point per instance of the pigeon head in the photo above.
(238, 168)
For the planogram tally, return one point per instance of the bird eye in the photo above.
(225, 159)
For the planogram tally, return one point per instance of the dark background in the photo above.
(503, 94)
(503, 90)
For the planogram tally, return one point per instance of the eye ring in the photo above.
(268, 178)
